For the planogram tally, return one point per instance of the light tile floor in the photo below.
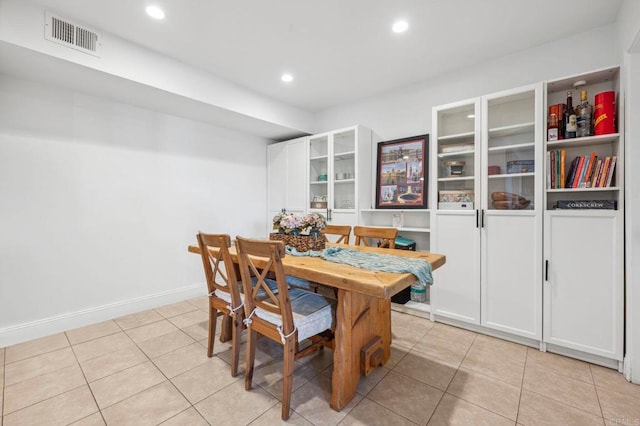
(151, 368)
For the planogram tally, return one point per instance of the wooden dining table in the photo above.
(363, 311)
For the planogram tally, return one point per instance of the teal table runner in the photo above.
(380, 262)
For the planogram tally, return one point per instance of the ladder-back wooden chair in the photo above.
(386, 236)
(342, 231)
(224, 291)
(288, 317)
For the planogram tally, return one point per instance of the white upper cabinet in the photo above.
(339, 173)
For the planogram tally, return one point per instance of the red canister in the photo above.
(604, 113)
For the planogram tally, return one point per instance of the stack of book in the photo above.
(586, 171)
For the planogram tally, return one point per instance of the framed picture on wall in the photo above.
(401, 181)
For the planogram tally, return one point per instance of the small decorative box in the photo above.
(493, 170)
(521, 166)
(457, 196)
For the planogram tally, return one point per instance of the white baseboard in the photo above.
(489, 331)
(44, 327)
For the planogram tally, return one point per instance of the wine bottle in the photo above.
(570, 125)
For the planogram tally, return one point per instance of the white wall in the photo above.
(629, 42)
(632, 219)
(407, 111)
(99, 200)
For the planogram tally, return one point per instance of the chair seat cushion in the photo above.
(312, 313)
(299, 283)
(226, 296)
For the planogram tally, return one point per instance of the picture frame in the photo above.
(402, 170)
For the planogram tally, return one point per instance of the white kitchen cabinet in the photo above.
(286, 178)
(455, 229)
(339, 173)
(511, 231)
(583, 281)
(549, 266)
(583, 248)
(493, 273)
(455, 293)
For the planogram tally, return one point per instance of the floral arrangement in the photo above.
(291, 223)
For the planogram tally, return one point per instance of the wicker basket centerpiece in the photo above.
(300, 232)
(300, 242)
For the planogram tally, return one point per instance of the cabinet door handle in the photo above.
(477, 218)
(546, 270)
(482, 219)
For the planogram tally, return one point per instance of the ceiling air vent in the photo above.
(67, 33)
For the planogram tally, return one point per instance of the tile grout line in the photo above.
(449, 384)
(526, 359)
(50, 397)
(100, 410)
(191, 405)
(85, 379)
(493, 378)
(595, 388)
(562, 403)
(148, 360)
(559, 371)
(490, 377)
(33, 356)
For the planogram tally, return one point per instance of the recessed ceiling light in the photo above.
(471, 116)
(400, 26)
(287, 78)
(155, 12)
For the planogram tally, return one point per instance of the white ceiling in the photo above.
(338, 50)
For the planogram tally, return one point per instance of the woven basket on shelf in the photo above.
(300, 242)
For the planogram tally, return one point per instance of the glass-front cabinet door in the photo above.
(509, 160)
(344, 170)
(338, 163)
(457, 147)
(319, 171)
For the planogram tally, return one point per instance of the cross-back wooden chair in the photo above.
(342, 231)
(386, 236)
(224, 291)
(287, 317)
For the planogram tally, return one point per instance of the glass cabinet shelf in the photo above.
(514, 129)
(457, 154)
(344, 155)
(511, 175)
(529, 146)
(458, 136)
(454, 179)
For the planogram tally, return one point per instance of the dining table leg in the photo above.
(359, 319)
